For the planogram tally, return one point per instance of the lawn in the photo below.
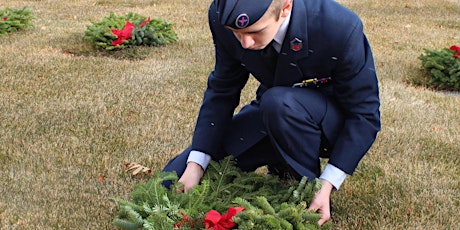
(71, 116)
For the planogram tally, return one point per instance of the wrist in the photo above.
(326, 187)
(195, 167)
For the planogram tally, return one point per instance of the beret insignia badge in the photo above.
(242, 21)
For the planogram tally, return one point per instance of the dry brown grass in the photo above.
(70, 117)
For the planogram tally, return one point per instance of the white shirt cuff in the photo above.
(200, 158)
(334, 175)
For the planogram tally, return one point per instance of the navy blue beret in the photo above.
(240, 14)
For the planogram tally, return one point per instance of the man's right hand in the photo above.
(192, 176)
(321, 202)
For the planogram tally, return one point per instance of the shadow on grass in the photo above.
(421, 78)
(126, 3)
(74, 45)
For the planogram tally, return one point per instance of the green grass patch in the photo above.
(71, 117)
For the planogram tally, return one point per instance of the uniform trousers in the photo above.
(294, 120)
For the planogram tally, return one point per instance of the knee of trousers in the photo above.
(279, 104)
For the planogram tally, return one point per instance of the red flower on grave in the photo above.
(213, 220)
(144, 22)
(124, 34)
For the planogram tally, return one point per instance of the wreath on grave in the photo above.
(443, 67)
(119, 32)
(227, 198)
(12, 20)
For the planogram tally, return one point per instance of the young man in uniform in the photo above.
(318, 93)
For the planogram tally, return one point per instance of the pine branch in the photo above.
(125, 224)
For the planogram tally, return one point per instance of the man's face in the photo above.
(261, 33)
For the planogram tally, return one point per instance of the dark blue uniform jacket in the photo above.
(332, 45)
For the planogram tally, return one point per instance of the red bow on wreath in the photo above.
(144, 22)
(213, 220)
(127, 31)
(456, 48)
(124, 34)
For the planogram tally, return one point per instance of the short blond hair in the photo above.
(275, 8)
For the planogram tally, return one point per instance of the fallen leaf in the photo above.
(101, 178)
(136, 168)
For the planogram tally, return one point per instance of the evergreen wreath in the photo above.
(443, 66)
(12, 20)
(119, 32)
(250, 200)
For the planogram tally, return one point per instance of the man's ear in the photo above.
(287, 7)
